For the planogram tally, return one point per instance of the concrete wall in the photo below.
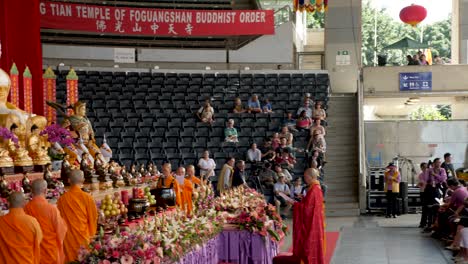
(343, 32)
(445, 78)
(275, 49)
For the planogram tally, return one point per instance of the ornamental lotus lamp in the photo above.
(413, 14)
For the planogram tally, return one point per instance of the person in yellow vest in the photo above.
(392, 189)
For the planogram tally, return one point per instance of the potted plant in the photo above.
(58, 138)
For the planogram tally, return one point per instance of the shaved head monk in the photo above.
(52, 224)
(79, 211)
(20, 234)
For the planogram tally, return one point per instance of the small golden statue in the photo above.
(18, 122)
(37, 147)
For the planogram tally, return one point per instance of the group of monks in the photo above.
(183, 182)
(39, 232)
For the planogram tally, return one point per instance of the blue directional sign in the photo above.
(415, 81)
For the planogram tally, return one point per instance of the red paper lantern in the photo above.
(413, 14)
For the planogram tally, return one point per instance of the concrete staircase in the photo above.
(341, 170)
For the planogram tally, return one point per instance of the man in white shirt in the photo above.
(254, 154)
(207, 167)
(281, 188)
(306, 108)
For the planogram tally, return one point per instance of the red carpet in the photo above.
(331, 240)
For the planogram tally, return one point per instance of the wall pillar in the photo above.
(343, 33)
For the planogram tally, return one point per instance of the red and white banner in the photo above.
(155, 22)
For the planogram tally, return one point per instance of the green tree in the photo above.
(445, 110)
(427, 113)
(316, 20)
(438, 35)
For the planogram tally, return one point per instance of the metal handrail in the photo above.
(280, 18)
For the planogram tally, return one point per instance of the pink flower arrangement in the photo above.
(56, 133)
(6, 134)
(135, 247)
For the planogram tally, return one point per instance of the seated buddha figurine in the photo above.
(37, 147)
(81, 125)
(18, 151)
(5, 160)
(10, 115)
(101, 168)
(87, 167)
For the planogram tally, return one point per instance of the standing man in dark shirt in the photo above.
(238, 178)
(448, 166)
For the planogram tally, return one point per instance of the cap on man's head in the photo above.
(391, 164)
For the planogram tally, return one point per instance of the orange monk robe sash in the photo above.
(170, 182)
(79, 211)
(187, 193)
(20, 238)
(195, 180)
(53, 228)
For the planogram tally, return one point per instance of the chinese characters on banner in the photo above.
(14, 87)
(155, 22)
(27, 91)
(415, 81)
(72, 88)
(49, 86)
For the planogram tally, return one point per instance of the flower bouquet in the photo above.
(6, 134)
(57, 135)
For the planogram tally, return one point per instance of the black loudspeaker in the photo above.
(381, 184)
(373, 184)
(404, 190)
(404, 206)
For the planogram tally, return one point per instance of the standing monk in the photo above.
(52, 224)
(191, 175)
(20, 234)
(80, 214)
(308, 225)
(186, 190)
(166, 180)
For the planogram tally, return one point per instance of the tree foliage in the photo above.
(427, 112)
(437, 35)
(316, 20)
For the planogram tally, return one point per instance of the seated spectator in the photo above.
(268, 152)
(283, 145)
(315, 158)
(416, 59)
(282, 172)
(318, 112)
(410, 60)
(254, 154)
(287, 135)
(254, 105)
(206, 113)
(297, 189)
(239, 176)
(303, 122)
(308, 98)
(290, 122)
(267, 108)
(281, 188)
(437, 60)
(275, 140)
(238, 107)
(230, 132)
(267, 179)
(317, 143)
(286, 160)
(306, 108)
(207, 167)
(316, 126)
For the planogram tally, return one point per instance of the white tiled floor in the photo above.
(376, 240)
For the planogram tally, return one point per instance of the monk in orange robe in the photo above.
(52, 224)
(79, 211)
(20, 234)
(166, 180)
(308, 223)
(191, 175)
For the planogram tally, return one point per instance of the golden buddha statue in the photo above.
(18, 151)
(37, 147)
(16, 121)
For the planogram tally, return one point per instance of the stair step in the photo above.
(341, 212)
(340, 199)
(337, 206)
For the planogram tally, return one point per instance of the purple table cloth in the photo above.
(243, 247)
(207, 254)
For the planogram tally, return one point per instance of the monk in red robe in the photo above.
(20, 234)
(79, 211)
(308, 225)
(52, 224)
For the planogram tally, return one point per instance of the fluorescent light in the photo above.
(410, 103)
(414, 99)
